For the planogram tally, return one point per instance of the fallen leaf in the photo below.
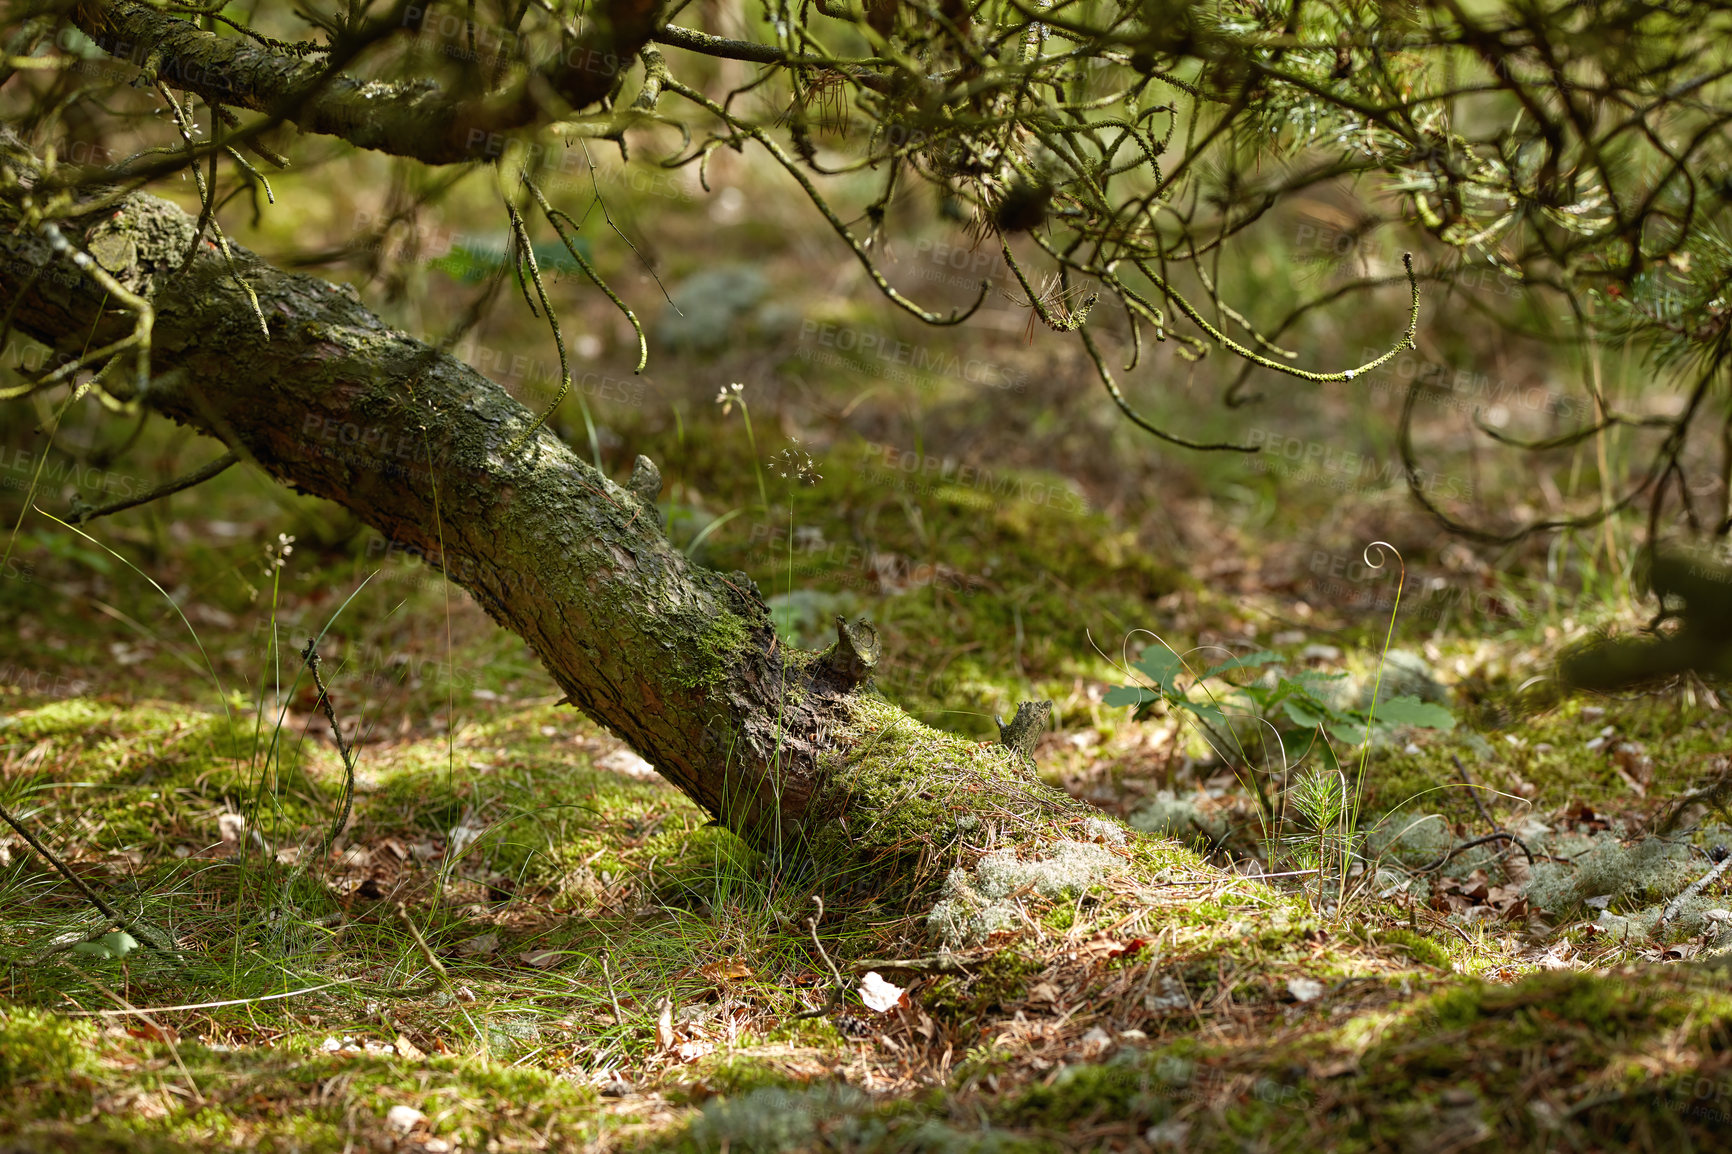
(403, 1119)
(1043, 992)
(693, 1050)
(1109, 948)
(725, 971)
(879, 994)
(1134, 946)
(114, 944)
(409, 1050)
(540, 959)
(665, 1025)
(232, 827)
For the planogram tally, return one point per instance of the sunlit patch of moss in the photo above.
(94, 731)
(912, 798)
(148, 767)
(976, 592)
(1572, 753)
(1088, 1093)
(39, 1049)
(285, 1098)
(1427, 951)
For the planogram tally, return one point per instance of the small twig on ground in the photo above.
(119, 919)
(426, 950)
(1714, 795)
(938, 964)
(1696, 887)
(1473, 792)
(1498, 832)
(840, 989)
(310, 655)
(441, 976)
(1500, 835)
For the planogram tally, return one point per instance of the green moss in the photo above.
(261, 1098)
(40, 1048)
(1088, 1093)
(715, 651)
(911, 797)
(729, 1076)
(981, 592)
(1420, 948)
(998, 980)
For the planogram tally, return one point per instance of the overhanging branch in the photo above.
(417, 119)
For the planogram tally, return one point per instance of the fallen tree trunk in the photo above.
(681, 662)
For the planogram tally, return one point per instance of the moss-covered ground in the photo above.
(523, 939)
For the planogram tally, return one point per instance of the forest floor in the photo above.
(525, 939)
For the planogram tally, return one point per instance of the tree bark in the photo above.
(680, 662)
(416, 119)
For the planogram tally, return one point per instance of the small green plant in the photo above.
(1308, 816)
(1295, 699)
(1318, 799)
(727, 398)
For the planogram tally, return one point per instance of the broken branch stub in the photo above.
(855, 654)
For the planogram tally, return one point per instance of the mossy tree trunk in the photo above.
(680, 662)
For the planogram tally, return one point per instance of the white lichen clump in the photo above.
(1168, 815)
(980, 903)
(1639, 878)
(1100, 829)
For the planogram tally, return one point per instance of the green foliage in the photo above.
(473, 264)
(109, 946)
(1315, 820)
(1297, 701)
